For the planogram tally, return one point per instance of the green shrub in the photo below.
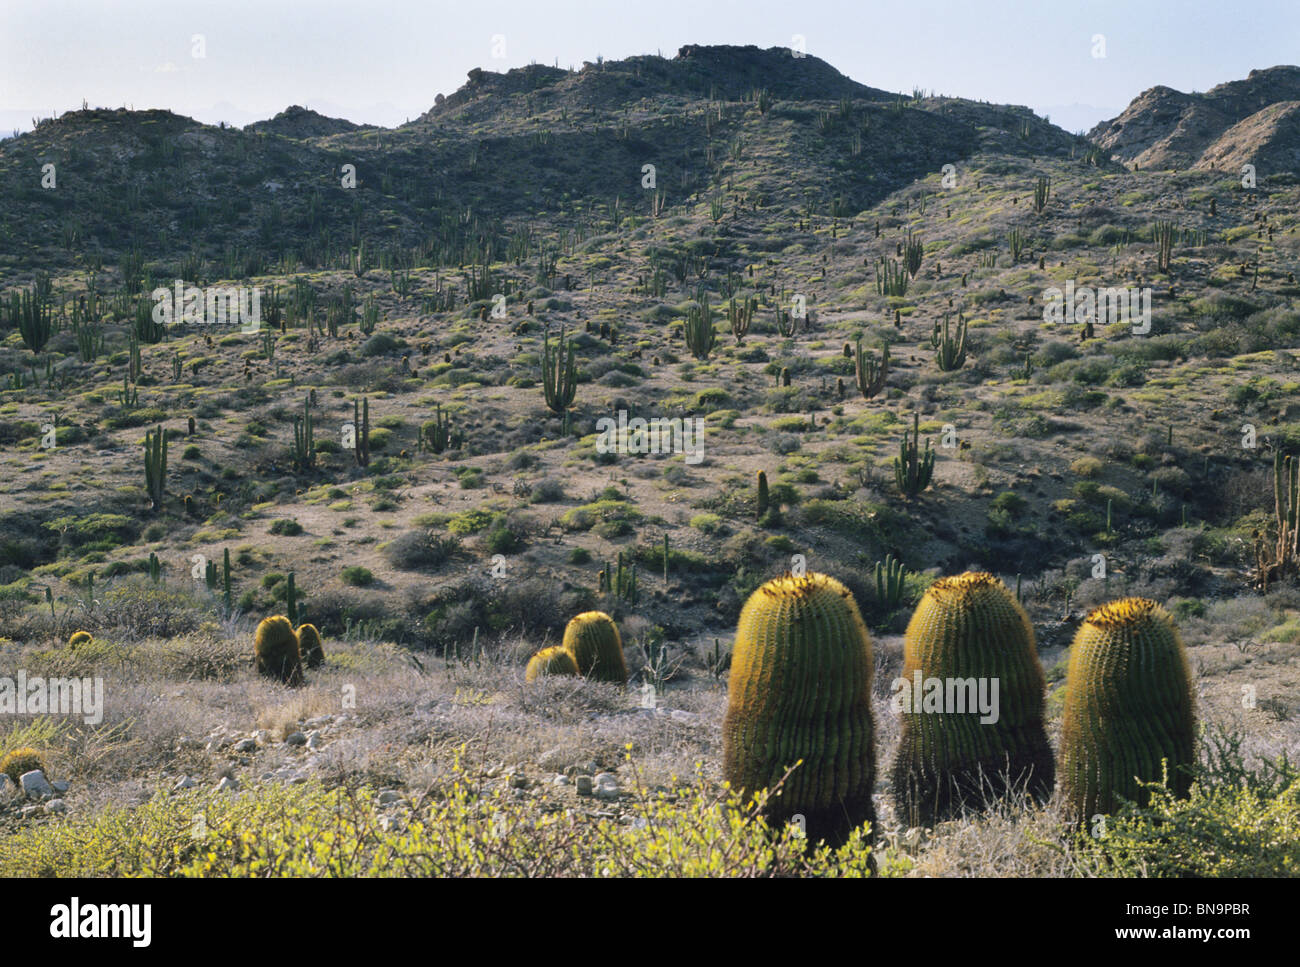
(358, 576)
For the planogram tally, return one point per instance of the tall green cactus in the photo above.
(740, 315)
(870, 374)
(1162, 236)
(699, 331)
(913, 251)
(30, 314)
(890, 279)
(1042, 190)
(800, 692)
(971, 697)
(361, 431)
(593, 640)
(913, 468)
(304, 440)
(891, 581)
(949, 350)
(1129, 709)
(155, 465)
(291, 600)
(559, 373)
(763, 499)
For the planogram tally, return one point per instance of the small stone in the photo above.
(493, 772)
(606, 779)
(519, 781)
(56, 806)
(35, 785)
(319, 722)
(388, 797)
(584, 785)
(28, 812)
(7, 788)
(561, 780)
(262, 737)
(313, 740)
(589, 767)
(607, 792)
(60, 785)
(227, 784)
(184, 782)
(295, 738)
(297, 780)
(246, 745)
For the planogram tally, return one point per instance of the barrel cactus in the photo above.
(550, 661)
(592, 639)
(18, 762)
(276, 650)
(80, 638)
(800, 689)
(1129, 709)
(964, 744)
(309, 646)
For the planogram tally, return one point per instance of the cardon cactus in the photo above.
(1129, 708)
(276, 649)
(592, 639)
(971, 701)
(550, 661)
(80, 638)
(800, 689)
(19, 762)
(309, 646)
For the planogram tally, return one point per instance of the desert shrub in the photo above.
(285, 528)
(144, 610)
(358, 576)
(421, 549)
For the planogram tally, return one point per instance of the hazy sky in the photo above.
(384, 62)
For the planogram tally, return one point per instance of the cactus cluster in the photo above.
(972, 715)
(800, 692)
(277, 652)
(559, 373)
(949, 349)
(913, 468)
(1129, 709)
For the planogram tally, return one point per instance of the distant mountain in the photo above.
(1248, 121)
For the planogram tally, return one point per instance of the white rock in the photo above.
(56, 806)
(561, 780)
(185, 782)
(35, 785)
(313, 741)
(607, 792)
(246, 745)
(227, 784)
(606, 779)
(29, 811)
(262, 737)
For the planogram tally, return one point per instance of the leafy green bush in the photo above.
(358, 576)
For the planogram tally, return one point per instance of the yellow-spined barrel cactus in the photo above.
(309, 646)
(276, 649)
(800, 689)
(550, 661)
(80, 638)
(1129, 709)
(592, 639)
(19, 762)
(971, 700)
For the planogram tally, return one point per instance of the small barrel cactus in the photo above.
(276, 650)
(19, 762)
(1129, 709)
(971, 700)
(80, 638)
(592, 639)
(800, 691)
(550, 661)
(309, 646)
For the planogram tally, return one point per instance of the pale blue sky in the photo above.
(384, 62)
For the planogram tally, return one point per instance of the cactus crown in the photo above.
(1117, 614)
(21, 761)
(550, 661)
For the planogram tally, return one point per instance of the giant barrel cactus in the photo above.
(800, 689)
(592, 639)
(1129, 709)
(550, 661)
(968, 637)
(276, 650)
(309, 646)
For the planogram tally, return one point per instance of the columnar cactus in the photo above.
(550, 661)
(963, 743)
(276, 650)
(309, 646)
(800, 692)
(592, 639)
(1129, 709)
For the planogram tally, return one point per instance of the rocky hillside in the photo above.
(1249, 121)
